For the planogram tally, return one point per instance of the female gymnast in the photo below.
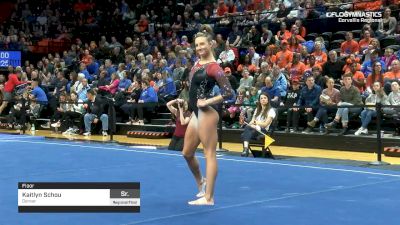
(202, 128)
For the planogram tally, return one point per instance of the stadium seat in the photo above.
(356, 33)
(327, 36)
(387, 41)
(339, 35)
(336, 43)
(311, 37)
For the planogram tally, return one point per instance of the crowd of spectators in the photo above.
(149, 67)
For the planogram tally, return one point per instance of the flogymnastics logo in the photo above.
(356, 17)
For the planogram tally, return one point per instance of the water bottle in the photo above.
(33, 128)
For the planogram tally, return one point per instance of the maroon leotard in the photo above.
(202, 79)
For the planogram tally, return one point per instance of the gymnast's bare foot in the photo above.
(202, 201)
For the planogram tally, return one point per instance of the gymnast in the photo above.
(202, 128)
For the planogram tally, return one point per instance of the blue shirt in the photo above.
(272, 91)
(40, 96)
(309, 97)
(367, 67)
(124, 84)
(149, 95)
(169, 87)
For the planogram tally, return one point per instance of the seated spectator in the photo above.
(142, 25)
(87, 59)
(262, 119)
(394, 99)
(254, 56)
(282, 13)
(374, 46)
(246, 81)
(234, 37)
(282, 34)
(387, 25)
(272, 91)
(349, 96)
(309, 97)
(279, 80)
(182, 117)
(269, 56)
(320, 56)
(375, 76)
(294, 44)
(388, 58)
(75, 110)
(9, 86)
(367, 66)
(333, 67)
(358, 77)
(124, 83)
(319, 80)
(378, 96)
(296, 68)
(38, 94)
(285, 56)
(266, 36)
(95, 111)
(349, 63)
(302, 30)
(246, 65)
(349, 46)
(167, 91)
(147, 102)
(226, 57)
(82, 92)
(392, 75)
(232, 79)
(365, 42)
(329, 97)
(111, 88)
(59, 113)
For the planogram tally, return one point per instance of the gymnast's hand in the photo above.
(202, 103)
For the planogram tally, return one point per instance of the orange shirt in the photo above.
(270, 60)
(251, 68)
(320, 58)
(284, 58)
(222, 9)
(346, 68)
(303, 31)
(363, 43)
(392, 75)
(295, 48)
(370, 82)
(296, 71)
(368, 5)
(286, 35)
(349, 47)
(359, 76)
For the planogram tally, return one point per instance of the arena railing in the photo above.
(112, 120)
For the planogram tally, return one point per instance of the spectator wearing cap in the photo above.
(232, 79)
(333, 67)
(309, 98)
(284, 57)
(290, 100)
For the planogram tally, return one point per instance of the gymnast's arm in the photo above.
(215, 71)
